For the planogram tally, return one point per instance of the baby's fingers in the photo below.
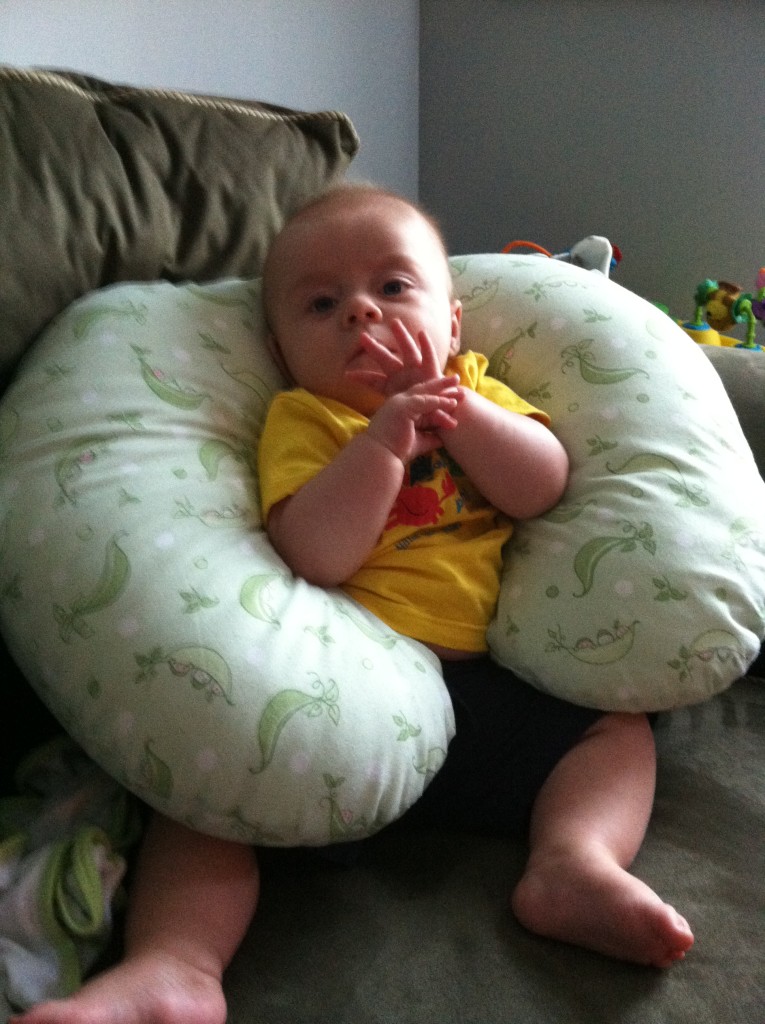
(421, 350)
(386, 360)
(439, 419)
(427, 407)
(446, 386)
(410, 350)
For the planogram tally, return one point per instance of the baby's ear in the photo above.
(276, 353)
(456, 326)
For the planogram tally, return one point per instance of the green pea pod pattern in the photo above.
(609, 645)
(564, 513)
(651, 462)
(500, 365)
(589, 556)
(385, 638)
(480, 295)
(227, 301)
(155, 774)
(71, 466)
(253, 381)
(258, 387)
(283, 706)
(110, 585)
(714, 645)
(344, 824)
(431, 763)
(91, 317)
(579, 355)
(167, 388)
(214, 451)
(206, 670)
(257, 596)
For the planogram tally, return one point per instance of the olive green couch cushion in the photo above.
(103, 183)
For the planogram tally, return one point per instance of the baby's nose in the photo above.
(361, 308)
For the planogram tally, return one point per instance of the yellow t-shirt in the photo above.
(434, 573)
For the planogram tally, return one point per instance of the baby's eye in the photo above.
(393, 287)
(322, 304)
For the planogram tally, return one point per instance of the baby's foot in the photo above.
(594, 903)
(145, 990)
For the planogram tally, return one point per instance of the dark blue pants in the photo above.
(509, 738)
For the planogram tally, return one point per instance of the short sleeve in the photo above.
(472, 369)
(302, 434)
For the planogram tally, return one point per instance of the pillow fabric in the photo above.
(145, 605)
(103, 183)
(644, 589)
(142, 599)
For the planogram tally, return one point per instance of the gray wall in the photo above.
(359, 56)
(642, 120)
(547, 119)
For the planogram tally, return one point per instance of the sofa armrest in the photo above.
(743, 374)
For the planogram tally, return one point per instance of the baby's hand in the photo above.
(416, 361)
(410, 422)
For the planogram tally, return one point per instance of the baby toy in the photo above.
(720, 305)
(592, 253)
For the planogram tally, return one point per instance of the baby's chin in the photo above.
(369, 402)
(366, 396)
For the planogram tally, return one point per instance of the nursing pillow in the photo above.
(145, 605)
(644, 589)
(142, 600)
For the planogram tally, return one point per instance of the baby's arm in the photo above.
(326, 530)
(514, 460)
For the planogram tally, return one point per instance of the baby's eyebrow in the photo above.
(312, 282)
(402, 262)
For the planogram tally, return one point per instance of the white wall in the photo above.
(642, 120)
(359, 56)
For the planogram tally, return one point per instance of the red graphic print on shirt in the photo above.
(419, 505)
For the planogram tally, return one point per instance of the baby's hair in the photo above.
(347, 190)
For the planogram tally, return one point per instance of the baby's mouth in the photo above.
(360, 359)
(365, 371)
(364, 357)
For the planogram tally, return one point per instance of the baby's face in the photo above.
(346, 269)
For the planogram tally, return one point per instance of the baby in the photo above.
(359, 300)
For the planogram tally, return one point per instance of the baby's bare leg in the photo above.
(587, 826)
(191, 901)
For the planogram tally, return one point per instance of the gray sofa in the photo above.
(418, 929)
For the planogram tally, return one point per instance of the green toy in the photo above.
(720, 305)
